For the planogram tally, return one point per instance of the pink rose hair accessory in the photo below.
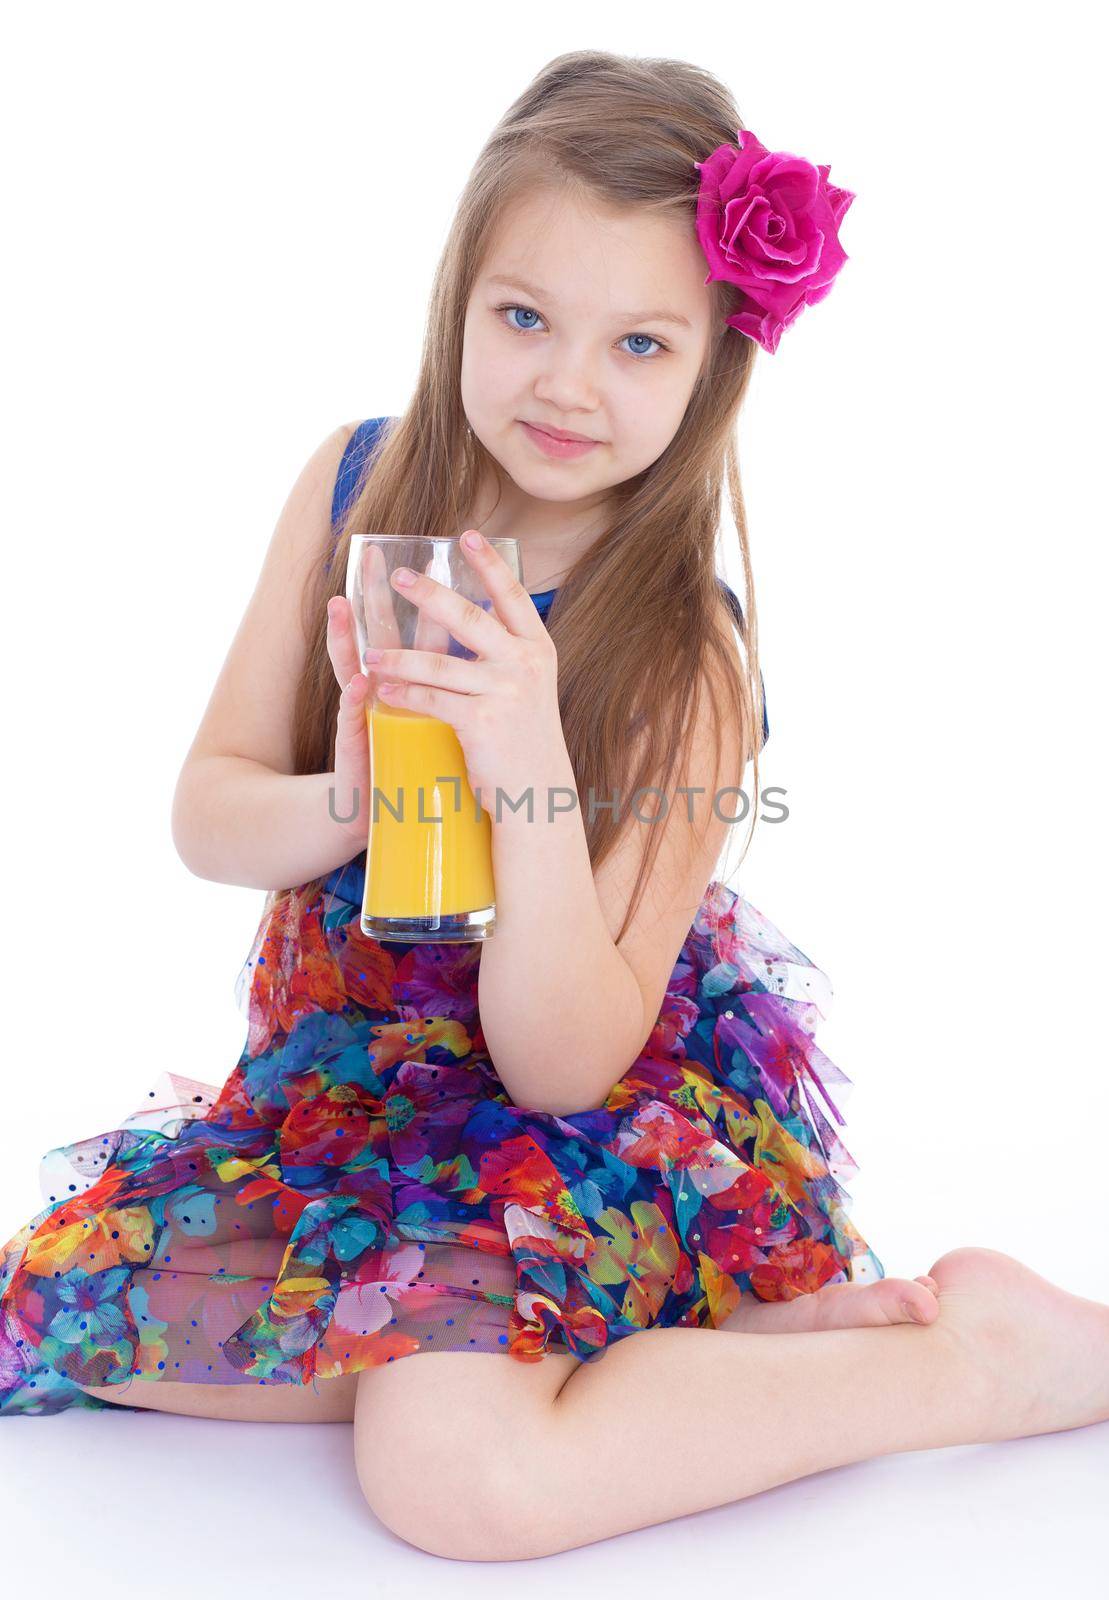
(768, 222)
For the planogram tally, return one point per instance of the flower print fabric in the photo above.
(362, 1189)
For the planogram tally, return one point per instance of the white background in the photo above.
(222, 226)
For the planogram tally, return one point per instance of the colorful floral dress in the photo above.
(362, 1188)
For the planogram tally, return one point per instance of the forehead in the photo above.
(594, 260)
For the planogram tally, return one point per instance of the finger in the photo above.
(463, 619)
(351, 740)
(342, 643)
(440, 703)
(513, 605)
(430, 633)
(379, 603)
(352, 702)
(352, 752)
(430, 668)
(377, 623)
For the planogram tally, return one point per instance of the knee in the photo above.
(472, 1509)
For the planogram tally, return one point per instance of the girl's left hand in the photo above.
(503, 706)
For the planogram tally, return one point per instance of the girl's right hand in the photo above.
(352, 745)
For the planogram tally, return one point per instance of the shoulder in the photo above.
(251, 710)
(305, 527)
(319, 472)
(327, 483)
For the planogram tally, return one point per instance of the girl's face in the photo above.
(587, 321)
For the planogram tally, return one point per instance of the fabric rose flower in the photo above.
(768, 222)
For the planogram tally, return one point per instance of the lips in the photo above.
(562, 433)
(558, 449)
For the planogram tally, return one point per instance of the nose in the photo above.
(567, 382)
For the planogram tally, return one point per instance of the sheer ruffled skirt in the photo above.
(362, 1189)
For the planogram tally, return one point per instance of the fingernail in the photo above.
(404, 576)
(912, 1310)
(472, 540)
(372, 655)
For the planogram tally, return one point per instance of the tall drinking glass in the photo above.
(429, 849)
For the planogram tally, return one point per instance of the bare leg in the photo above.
(676, 1420)
(237, 1402)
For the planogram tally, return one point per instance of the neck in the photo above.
(552, 535)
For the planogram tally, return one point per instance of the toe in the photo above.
(912, 1301)
(895, 1300)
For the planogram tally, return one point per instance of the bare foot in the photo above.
(840, 1305)
(1043, 1351)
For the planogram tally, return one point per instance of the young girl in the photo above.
(587, 1166)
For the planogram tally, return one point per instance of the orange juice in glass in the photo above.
(429, 855)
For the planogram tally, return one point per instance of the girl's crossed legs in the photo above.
(480, 1457)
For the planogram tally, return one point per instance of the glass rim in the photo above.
(430, 538)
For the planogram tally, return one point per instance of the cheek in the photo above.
(488, 371)
(647, 416)
(643, 427)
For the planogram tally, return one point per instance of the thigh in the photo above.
(246, 1402)
(408, 1397)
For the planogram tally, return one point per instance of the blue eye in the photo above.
(525, 309)
(638, 355)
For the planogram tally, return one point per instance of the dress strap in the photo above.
(352, 469)
(348, 479)
(741, 623)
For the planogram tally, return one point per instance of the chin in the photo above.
(553, 486)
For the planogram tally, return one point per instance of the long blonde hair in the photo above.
(623, 132)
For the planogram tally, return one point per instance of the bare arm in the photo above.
(238, 821)
(560, 1007)
(240, 813)
(565, 1011)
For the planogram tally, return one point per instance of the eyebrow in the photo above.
(622, 316)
